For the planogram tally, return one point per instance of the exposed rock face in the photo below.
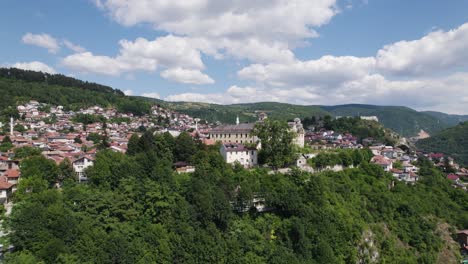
(367, 249)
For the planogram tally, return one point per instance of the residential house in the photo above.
(235, 152)
(80, 165)
(6, 189)
(384, 162)
(13, 176)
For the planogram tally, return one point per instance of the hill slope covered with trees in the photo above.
(135, 209)
(452, 141)
(19, 86)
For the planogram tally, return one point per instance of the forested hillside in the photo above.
(452, 142)
(137, 210)
(55, 79)
(451, 120)
(22, 86)
(403, 120)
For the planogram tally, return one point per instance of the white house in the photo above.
(6, 189)
(385, 163)
(234, 152)
(80, 165)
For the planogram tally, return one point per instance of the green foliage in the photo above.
(22, 86)
(96, 138)
(361, 129)
(403, 120)
(133, 146)
(25, 152)
(40, 167)
(87, 119)
(344, 157)
(184, 147)
(452, 142)
(136, 210)
(6, 144)
(276, 139)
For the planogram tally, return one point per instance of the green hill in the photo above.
(19, 86)
(403, 120)
(452, 141)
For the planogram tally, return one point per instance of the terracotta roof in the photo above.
(4, 184)
(12, 173)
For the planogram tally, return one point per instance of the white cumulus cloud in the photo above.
(435, 52)
(181, 75)
(73, 47)
(42, 40)
(128, 92)
(237, 28)
(175, 53)
(34, 66)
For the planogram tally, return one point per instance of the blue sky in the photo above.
(397, 52)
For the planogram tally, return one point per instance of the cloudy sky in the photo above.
(399, 52)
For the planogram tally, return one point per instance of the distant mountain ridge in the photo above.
(451, 120)
(403, 120)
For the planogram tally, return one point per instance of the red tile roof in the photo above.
(12, 173)
(4, 184)
(452, 177)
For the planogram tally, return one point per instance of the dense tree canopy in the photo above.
(277, 149)
(135, 209)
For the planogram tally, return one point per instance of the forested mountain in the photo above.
(135, 209)
(452, 141)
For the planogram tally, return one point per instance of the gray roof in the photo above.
(241, 128)
(235, 147)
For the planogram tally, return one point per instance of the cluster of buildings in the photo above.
(239, 145)
(9, 178)
(56, 132)
(397, 162)
(329, 140)
(458, 175)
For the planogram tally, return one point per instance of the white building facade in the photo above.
(234, 152)
(80, 165)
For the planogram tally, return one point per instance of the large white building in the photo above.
(241, 133)
(235, 152)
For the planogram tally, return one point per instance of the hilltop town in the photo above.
(78, 135)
